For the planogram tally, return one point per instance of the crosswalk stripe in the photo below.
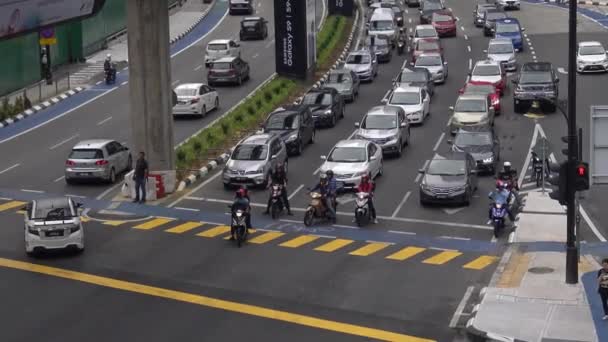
(442, 258)
(251, 231)
(266, 237)
(299, 241)
(184, 227)
(406, 253)
(11, 205)
(369, 249)
(20, 212)
(84, 219)
(334, 245)
(153, 223)
(114, 223)
(481, 262)
(215, 231)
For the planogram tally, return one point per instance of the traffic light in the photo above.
(559, 194)
(581, 176)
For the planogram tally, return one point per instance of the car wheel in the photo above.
(342, 113)
(517, 108)
(400, 149)
(203, 111)
(333, 121)
(467, 198)
(216, 105)
(239, 80)
(381, 170)
(112, 178)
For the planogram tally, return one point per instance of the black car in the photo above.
(537, 81)
(449, 179)
(427, 8)
(478, 13)
(489, 20)
(481, 143)
(415, 77)
(228, 70)
(412, 3)
(294, 124)
(240, 6)
(326, 105)
(253, 28)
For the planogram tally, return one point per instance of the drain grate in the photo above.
(540, 270)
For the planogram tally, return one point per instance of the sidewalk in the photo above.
(528, 299)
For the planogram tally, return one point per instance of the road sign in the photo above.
(47, 36)
(542, 147)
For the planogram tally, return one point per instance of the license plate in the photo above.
(241, 179)
(55, 233)
(442, 196)
(84, 173)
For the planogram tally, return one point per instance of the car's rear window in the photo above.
(186, 91)
(222, 66)
(86, 154)
(249, 23)
(217, 47)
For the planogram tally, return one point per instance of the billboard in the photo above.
(295, 37)
(19, 17)
(341, 7)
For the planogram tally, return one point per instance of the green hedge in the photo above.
(9, 110)
(332, 32)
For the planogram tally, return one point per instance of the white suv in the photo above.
(221, 48)
(509, 4)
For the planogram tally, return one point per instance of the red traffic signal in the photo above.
(581, 171)
(581, 181)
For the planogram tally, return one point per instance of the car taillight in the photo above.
(70, 163)
(101, 162)
(195, 100)
(495, 101)
(461, 91)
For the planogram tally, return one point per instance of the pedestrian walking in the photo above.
(602, 279)
(140, 176)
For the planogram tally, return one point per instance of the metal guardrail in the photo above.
(42, 90)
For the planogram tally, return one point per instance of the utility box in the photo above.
(341, 7)
(152, 186)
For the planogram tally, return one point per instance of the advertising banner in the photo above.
(293, 37)
(341, 7)
(311, 32)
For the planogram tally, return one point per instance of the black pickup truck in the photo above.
(537, 81)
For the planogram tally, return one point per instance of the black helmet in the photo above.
(329, 173)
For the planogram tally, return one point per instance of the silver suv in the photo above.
(253, 159)
(387, 126)
(97, 160)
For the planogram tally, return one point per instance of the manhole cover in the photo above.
(541, 270)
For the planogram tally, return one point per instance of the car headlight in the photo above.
(488, 160)
(260, 170)
(292, 137)
(439, 72)
(416, 113)
(327, 112)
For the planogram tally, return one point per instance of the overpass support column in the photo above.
(150, 86)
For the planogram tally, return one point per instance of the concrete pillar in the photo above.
(150, 85)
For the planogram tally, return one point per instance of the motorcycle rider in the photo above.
(501, 195)
(368, 186)
(279, 176)
(508, 174)
(109, 68)
(323, 188)
(241, 202)
(401, 41)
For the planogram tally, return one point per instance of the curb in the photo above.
(581, 2)
(41, 106)
(198, 21)
(203, 171)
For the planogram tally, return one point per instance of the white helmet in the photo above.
(108, 56)
(506, 164)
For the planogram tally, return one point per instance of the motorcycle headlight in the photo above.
(292, 137)
(488, 160)
(498, 205)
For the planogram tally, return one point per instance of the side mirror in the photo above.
(372, 158)
(557, 80)
(451, 108)
(357, 125)
(421, 171)
(323, 157)
(450, 142)
(384, 101)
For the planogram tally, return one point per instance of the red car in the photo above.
(444, 23)
(426, 45)
(483, 88)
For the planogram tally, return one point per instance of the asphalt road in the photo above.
(42, 151)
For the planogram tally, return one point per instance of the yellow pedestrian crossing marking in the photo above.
(406, 253)
(84, 219)
(153, 223)
(184, 227)
(215, 231)
(481, 262)
(251, 231)
(11, 205)
(266, 237)
(299, 241)
(20, 212)
(442, 258)
(334, 245)
(369, 249)
(114, 223)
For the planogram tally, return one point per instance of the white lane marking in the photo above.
(5, 199)
(323, 16)
(9, 168)
(531, 47)
(469, 48)
(470, 64)
(401, 232)
(562, 71)
(295, 191)
(454, 238)
(199, 67)
(34, 191)
(98, 83)
(344, 226)
(124, 83)
(186, 209)
(59, 179)
(528, 156)
(76, 196)
(449, 122)
(438, 142)
(439, 249)
(462, 28)
(426, 163)
(526, 35)
(104, 121)
(461, 306)
(255, 56)
(466, 37)
(411, 30)
(112, 188)
(64, 141)
(532, 52)
(494, 239)
(407, 195)
(407, 11)
(209, 180)
(174, 82)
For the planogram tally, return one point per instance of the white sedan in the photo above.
(195, 99)
(415, 101)
(352, 159)
(591, 57)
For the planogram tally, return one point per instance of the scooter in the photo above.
(276, 201)
(537, 165)
(239, 225)
(362, 213)
(499, 211)
(110, 76)
(316, 209)
(400, 47)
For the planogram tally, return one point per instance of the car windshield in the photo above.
(479, 89)
(473, 139)
(317, 99)
(591, 50)
(432, 5)
(500, 48)
(250, 152)
(217, 47)
(441, 18)
(470, 105)
(377, 42)
(358, 59)
(483, 8)
(405, 98)
(495, 15)
(380, 122)
(339, 78)
(426, 33)
(428, 61)
(427, 45)
(52, 213)
(86, 154)
(486, 70)
(347, 155)
(507, 28)
(249, 23)
(381, 25)
(446, 167)
(416, 76)
(222, 66)
(535, 77)
(282, 121)
(186, 91)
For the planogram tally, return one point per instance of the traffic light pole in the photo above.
(571, 250)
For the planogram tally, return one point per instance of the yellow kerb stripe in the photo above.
(184, 227)
(299, 241)
(333, 245)
(481, 262)
(114, 223)
(406, 253)
(266, 237)
(369, 249)
(442, 258)
(11, 205)
(153, 223)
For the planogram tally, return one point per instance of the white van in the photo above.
(383, 22)
(221, 48)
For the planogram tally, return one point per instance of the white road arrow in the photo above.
(349, 199)
(452, 211)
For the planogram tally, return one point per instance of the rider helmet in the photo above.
(507, 166)
(109, 56)
(241, 193)
(329, 173)
(323, 178)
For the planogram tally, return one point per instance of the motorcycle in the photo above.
(316, 209)
(362, 213)
(276, 201)
(110, 76)
(499, 211)
(239, 224)
(400, 47)
(537, 165)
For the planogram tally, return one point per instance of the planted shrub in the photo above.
(258, 103)
(268, 96)
(277, 89)
(225, 127)
(238, 117)
(181, 156)
(197, 146)
(251, 110)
